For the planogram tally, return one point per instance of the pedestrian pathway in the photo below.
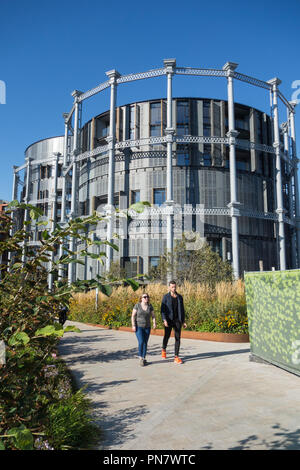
(217, 399)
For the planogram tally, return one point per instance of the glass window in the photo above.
(155, 119)
(259, 128)
(183, 117)
(242, 164)
(216, 246)
(155, 131)
(206, 130)
(182, 129)
(242, 122)
(182, 112)
(159, 196)
(206, 112)
(155, 113)
(135, 196)
(105, 130)
(183, 158)
(154, 261)
(131, 266)
(206, 159)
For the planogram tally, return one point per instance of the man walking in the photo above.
(173, 316)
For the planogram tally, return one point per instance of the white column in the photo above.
(284, 130)
(54, 212)
(296, 179)
(113, 75)
(234, 204)
(72, 244)
(26, 200)
(64, 186)
(15, 184)
(14, 197)
(280, 210)
(170, 65)
(65, 162)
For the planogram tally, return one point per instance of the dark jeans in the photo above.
(177, 331)
(142, 335)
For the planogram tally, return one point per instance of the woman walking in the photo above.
(140, 320)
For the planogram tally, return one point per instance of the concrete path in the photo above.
(217, 399)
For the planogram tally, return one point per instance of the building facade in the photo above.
(213, 166)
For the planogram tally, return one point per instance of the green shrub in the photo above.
(33, 382)
(69, 423)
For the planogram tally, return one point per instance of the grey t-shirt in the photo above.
(143, 316)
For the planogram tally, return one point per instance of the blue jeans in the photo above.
(142, 335)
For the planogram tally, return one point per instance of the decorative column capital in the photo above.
(281, 213)
(65, 116)
(168, 207)
(234, 207)
(76, 94)
(110, 142)
(232, 135)
(230, 67)
(284, 127)
(170, 131)
(293, 104)
(274, 82)
(170, 65)
(113, 75)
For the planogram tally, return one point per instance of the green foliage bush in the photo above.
(35, 391)
(69, 423)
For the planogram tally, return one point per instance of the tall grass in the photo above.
(220, 309)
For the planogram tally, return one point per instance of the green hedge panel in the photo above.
(273, 309)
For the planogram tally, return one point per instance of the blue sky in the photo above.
(48, 49)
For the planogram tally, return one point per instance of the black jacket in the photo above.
(167, 309)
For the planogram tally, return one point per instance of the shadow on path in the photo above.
(116, 428)
(286, 440)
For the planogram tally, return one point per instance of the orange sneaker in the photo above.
(177, 360)
(164, 354)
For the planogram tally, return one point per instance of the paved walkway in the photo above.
(217, 399)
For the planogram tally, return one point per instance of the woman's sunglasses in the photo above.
(145, 297)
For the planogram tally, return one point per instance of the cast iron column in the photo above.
(170, 65)
(16, 179)
(284, 130)
(296, 179)
(113, 75)
(26, 200)
(72, 244)
(229, 67)
(54, 212)
(280, 210)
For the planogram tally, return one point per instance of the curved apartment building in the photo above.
(213, 166)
